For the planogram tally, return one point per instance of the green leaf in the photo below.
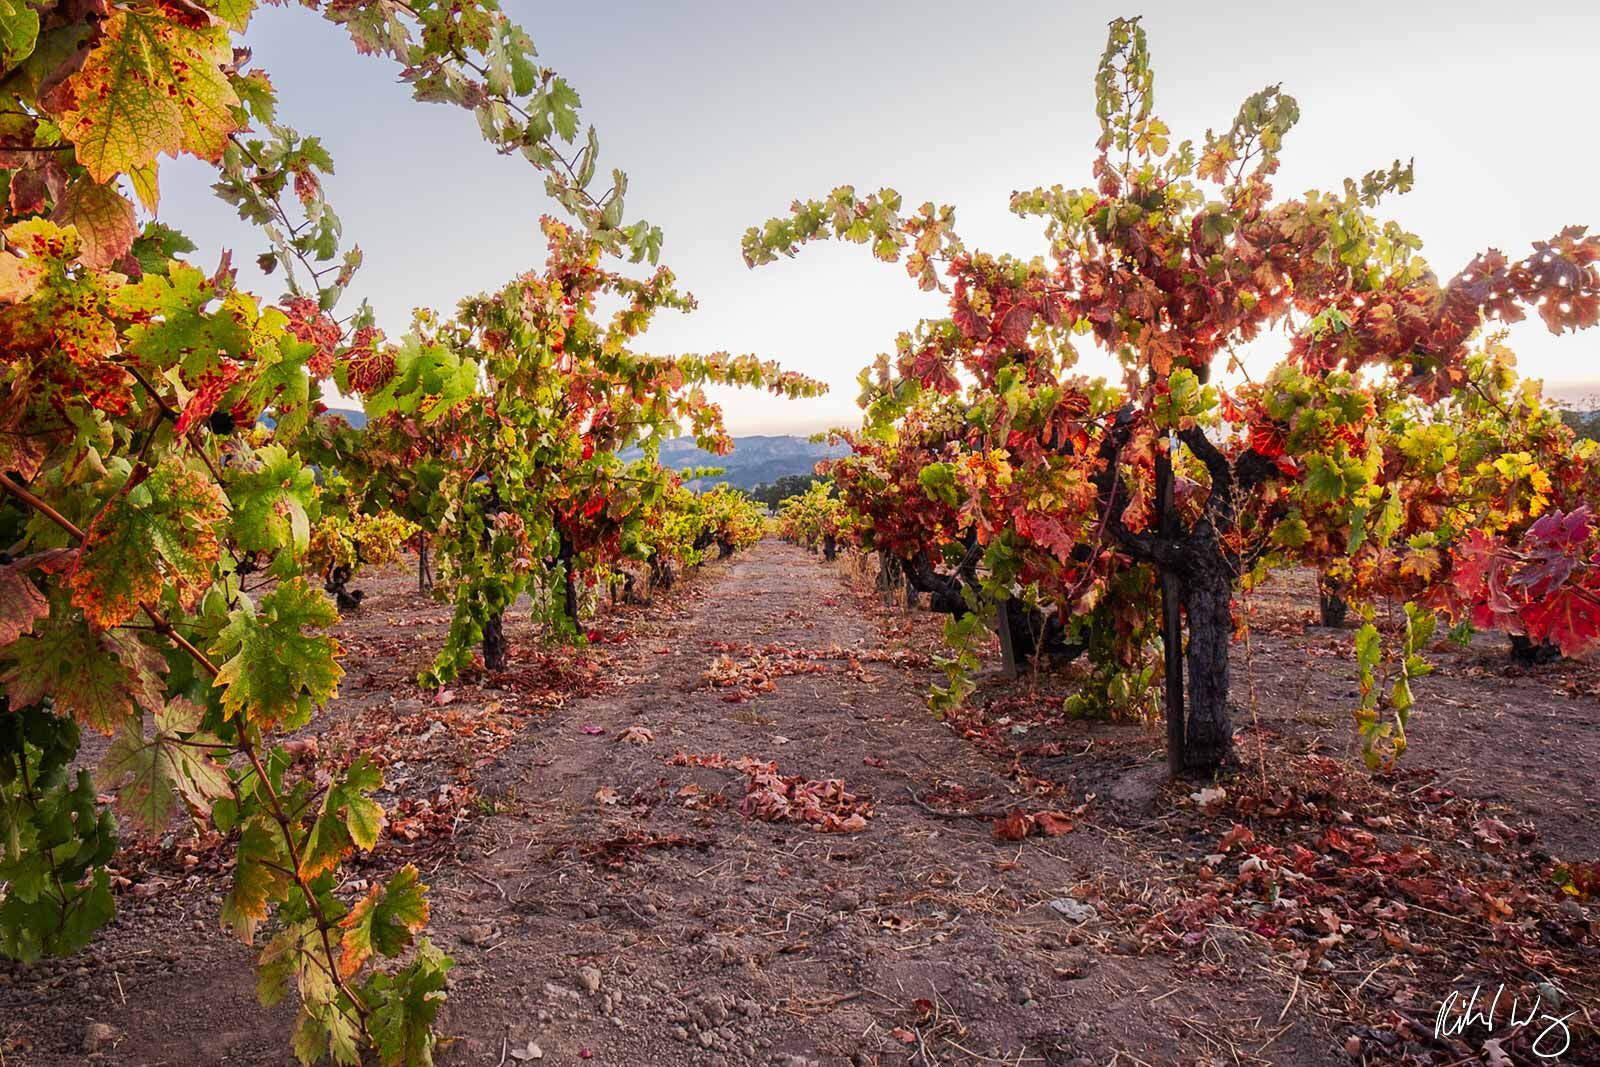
(276, 965)
(46, 927)
(101, 679)
(385, 920)
(173, 326)
(149, 773)
(158, 243)
(259, 878)
(1367, 648)
(404, 1007)
(274, 670)
(1324, 480)
(273, 505)
(938, 480)
(424, 373)
(348, 818)
(1291, 532)
(310, 1041)
(19, 31)
(54, 838)
(561, 101)
(236, 13)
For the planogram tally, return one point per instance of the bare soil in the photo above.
(617, 888)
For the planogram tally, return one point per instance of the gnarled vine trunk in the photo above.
(1030, 632)
(1330, 601)
(569, 578)
(496, 649)
(334, 583)
(661, 576)
(1197, 578)
(1206, 591)
(424, 566)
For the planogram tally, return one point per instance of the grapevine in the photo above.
(1010, 482)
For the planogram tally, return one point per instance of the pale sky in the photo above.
(723, 112)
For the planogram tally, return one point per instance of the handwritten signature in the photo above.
(1460, 1013)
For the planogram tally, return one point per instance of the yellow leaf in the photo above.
(153, 86)
(145, 186)
(41, 240)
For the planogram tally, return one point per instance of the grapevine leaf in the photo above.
(49, 250)
(273, 670)
(103, 218)
(276, 965)
(170, 518)
(19, 31)
(146, 185)
(167, 765)
(325, 1030)
(33, 928)
(152, 86)
(1368, 648)
(429, 375)
(157, 244)
(348, 818)
(260, 877)
(56, 834)
(101, 679)
(310, 1041)
(271, 504)
(172, 324)
(404, 1006)
(20, 604)
(236, 13)
(385, 920)
(1569, 618)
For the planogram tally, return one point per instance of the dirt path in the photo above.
(920, 939)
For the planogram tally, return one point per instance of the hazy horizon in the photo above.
(724, 113)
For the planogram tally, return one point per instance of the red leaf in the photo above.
(1570, 618)
(1014, 826)
(1239, 835)
(1052, 823)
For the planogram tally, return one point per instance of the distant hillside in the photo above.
(754, 460)
(355, 417)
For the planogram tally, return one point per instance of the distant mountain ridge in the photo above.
(354, 416)
(755, 460)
